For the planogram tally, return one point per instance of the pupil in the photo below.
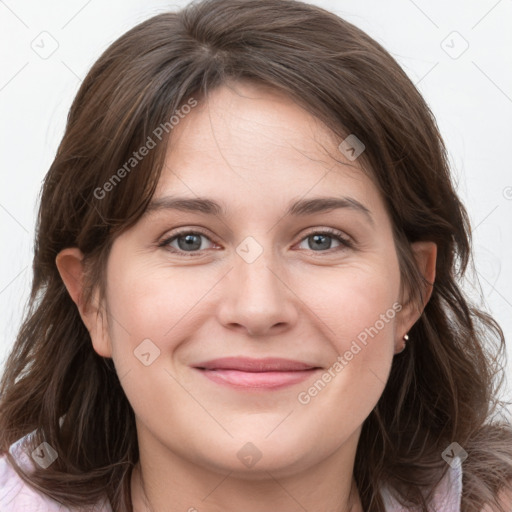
(189, 243)
(325, 245)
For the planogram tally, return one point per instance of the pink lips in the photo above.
(268, 373)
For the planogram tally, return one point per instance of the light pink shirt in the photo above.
(17, 496)
(447, 495)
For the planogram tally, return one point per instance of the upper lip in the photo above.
(244, 364)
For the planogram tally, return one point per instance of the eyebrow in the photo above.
(299, 208)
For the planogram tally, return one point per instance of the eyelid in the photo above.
(168, 238)
(345, 240)
(330, 231)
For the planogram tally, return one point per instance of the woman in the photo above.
(246, 285)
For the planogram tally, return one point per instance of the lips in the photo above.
(243, 364)
(268, 373)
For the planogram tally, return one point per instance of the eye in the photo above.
(189, 243)
(319, 240)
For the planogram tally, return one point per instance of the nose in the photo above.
(257, 299)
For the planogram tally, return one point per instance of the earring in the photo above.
(405, 338)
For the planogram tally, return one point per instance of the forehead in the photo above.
(249, 122)
(251, 141)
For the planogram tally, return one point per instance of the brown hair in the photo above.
(443, 388)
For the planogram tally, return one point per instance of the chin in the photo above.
(254, 459)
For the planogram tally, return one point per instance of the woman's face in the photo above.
(246, 337)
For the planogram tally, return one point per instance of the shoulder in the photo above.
(446, 496)
(18, 496)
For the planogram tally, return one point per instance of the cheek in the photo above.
(152, 303)
(151, 312)
(361, 312)
(367, 318)
(356, 304)
(360, 315)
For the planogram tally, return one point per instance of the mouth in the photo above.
(245, 373)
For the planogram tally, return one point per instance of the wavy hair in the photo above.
(443, 388)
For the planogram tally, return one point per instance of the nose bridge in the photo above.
(257, 298)
(253, 275)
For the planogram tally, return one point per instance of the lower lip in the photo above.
(257, 380)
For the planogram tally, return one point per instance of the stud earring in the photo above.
(405, 338)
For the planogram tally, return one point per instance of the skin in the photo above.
(253, 150)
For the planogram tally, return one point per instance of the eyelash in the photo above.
(345, 242)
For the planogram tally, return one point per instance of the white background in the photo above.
(471, 97)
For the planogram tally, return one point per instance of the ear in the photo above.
(71, 269)
(425, 255)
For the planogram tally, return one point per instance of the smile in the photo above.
(270, 373)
